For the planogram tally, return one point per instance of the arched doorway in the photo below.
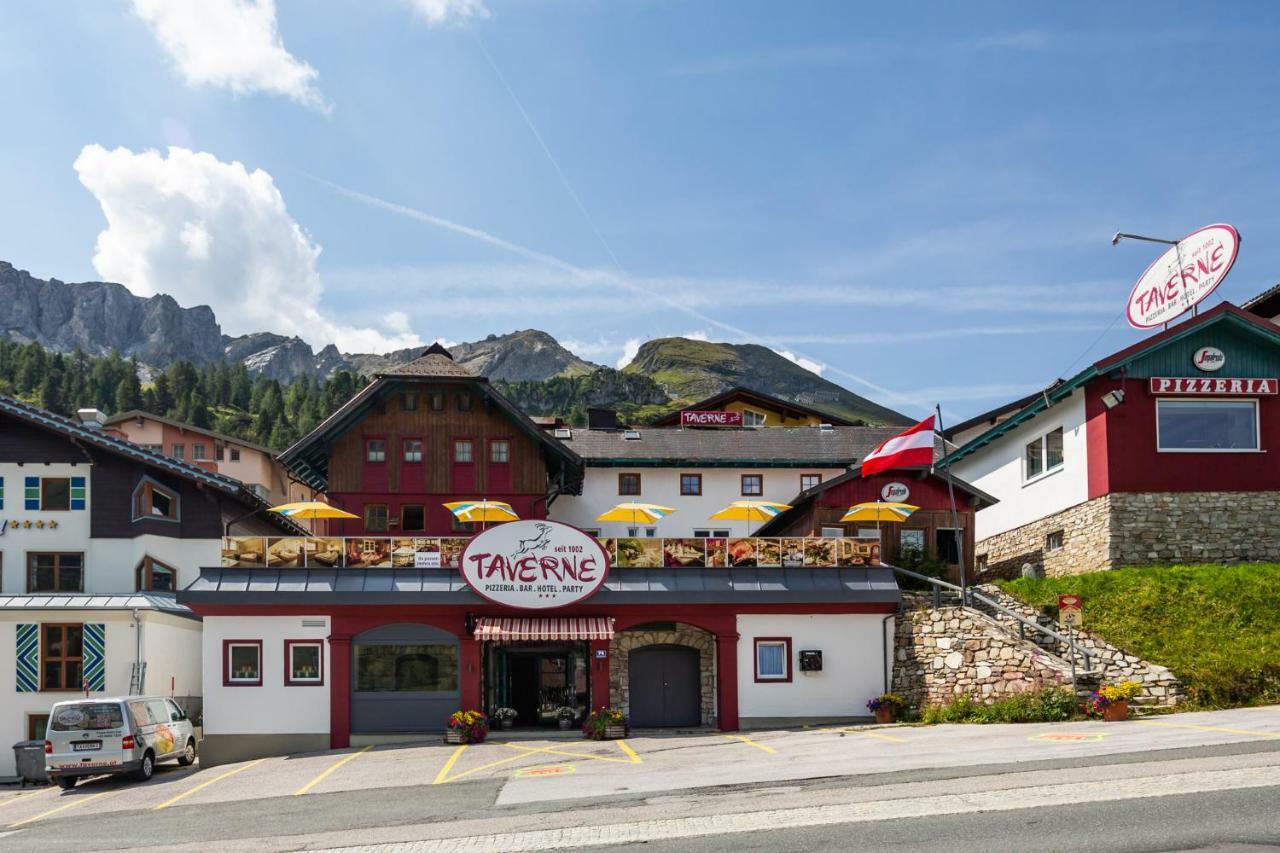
(665, 686)
(404, 679)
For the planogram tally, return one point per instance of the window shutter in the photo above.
(77, 492)
(95, 656)
(31, 492)
(28, 659)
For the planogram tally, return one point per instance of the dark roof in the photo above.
(800, 503)
(309, 457)
(759, 398)
(782, 447)
(96, 437)
(222, 436)
(1266, 304)
(1224, 312)
(623, 586)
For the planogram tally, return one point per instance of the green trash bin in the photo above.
(29, 757)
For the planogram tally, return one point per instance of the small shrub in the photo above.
(1048, 705)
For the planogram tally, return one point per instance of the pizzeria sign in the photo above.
(1202, 386)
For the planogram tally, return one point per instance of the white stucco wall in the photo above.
(170, 648)
(272, 708)
(720, 487)
(853, 659)
(997, 469)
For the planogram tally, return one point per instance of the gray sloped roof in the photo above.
(432, 364)
(71, 601)
(838, 446)
(623, 586)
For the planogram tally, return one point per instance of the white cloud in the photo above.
(397, 321)
(230, 44)
(208, 232)
(436, 12)
(629, 350)
(807, 363)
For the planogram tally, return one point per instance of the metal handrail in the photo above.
(968, 594)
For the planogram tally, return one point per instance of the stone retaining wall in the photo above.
(684, 635)
(1140, 528)
(941, 655)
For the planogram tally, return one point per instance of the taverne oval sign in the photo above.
(534, 565)
(1168, 287)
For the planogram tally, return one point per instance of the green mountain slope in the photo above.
(691, 370)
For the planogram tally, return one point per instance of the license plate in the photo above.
(86, 745)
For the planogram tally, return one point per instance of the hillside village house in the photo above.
(96, 534)
(1159, 453)
(698, 471)
(252, 464)
(374, 632)
(750, 408)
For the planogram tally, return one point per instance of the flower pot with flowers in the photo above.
(506, 717)
(1111, 701)
(565, 717)
(887, 707)
(466, 727)
(606, 724)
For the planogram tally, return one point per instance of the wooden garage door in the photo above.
(665, 688)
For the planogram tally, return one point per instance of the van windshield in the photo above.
(87, 716)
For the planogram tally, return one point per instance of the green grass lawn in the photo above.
(1217, 627)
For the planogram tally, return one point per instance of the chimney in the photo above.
(91, 418)
(602, 419)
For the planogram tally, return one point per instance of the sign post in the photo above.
(1071, 617)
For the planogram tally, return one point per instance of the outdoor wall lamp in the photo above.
(1111, 399)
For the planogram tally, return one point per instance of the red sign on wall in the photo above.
(717, 419)
(1216, 387)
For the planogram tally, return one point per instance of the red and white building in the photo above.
(1162, 452)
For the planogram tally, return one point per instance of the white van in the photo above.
(127, 734)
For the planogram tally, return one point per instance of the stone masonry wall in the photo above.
(1160, 686)
(1140, 528)
(943, 654)
(1086, 543)
(684, 635)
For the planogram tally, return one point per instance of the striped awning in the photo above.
(501, 628)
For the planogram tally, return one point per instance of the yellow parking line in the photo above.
(332, 767)
(530, 750)
(626, 747)
(1208, 728)
(77, 801)
(875, 734)
(448, 765)
(491, 764)
(749, 742)
(28, 795)
(204, 785)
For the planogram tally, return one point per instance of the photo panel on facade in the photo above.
(793, 553)
(325, 553)
(717, 553)
(820, 552)
(742, 552)
(769, 552)
(368, 553)
(244, 551)
(451, 552)
(684, 553)
(640, 553)
(287, 553)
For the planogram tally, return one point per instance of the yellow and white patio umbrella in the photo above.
(636, 513)
(750, 511)
(310, 510)
(878, 511)
(482, 511)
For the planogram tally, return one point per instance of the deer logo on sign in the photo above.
(536, 543)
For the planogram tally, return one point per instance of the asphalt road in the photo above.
(1245, 821)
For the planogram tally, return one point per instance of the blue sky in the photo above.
(917, 197)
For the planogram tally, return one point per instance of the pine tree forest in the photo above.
(223, 397)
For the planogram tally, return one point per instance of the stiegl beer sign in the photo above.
(534, 565)
(1168, 287)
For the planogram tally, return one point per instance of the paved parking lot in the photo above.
(531, 771)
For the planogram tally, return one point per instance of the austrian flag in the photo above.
(905, 450)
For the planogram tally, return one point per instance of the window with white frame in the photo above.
(773, 658)
(1053, 541)
(1207, 426)
(304, 662)
(752, 419)
(242, 663)
(1043, 455)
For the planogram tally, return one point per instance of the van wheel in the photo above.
(189, 754)
(66, 783)
(146, 768)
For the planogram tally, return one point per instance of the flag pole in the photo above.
(955, 518)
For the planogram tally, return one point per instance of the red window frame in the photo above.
(755, 659)
(404, 450)
(288, 664)
(471, 442)
(227, 681)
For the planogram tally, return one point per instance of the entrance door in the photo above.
(665, 689)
